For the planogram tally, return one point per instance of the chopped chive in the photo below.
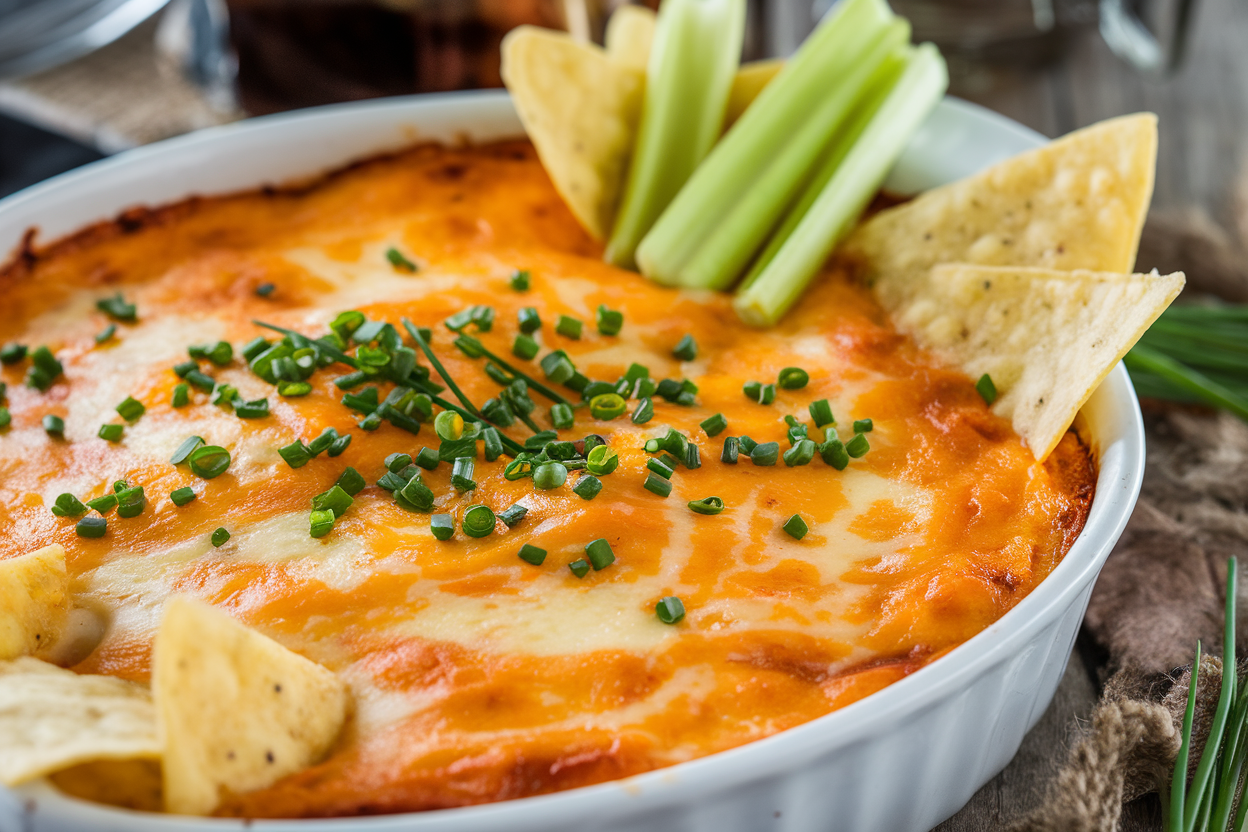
(661, 468)
(91, 527)
(758, 392)
(670, 610)
(392, 481)
(209, 461)
(579, 567)
(322, 442)
(428, 459)
(478, 521)
(461, 474)
(802, 453)
(602, 461)
(532, 554)
(644, 412)
(296, 454)
(765, 453)
(397, 462)
(658, 485)
(497, 374)
(321, 523)
(351, 380)
(558, 367)
(588, 487)
(339, 445)
(351, 482)
(6, 418)
(732, 448)
(569, 327)
(530, 321)
(399, 262)
(184, 450)
(863, 426)
(67, 505)
(220, 536)
(112, 433)
(131, 501)
(181, 395)
(707, 505)
(561, 416)
(834, 453)
(255, 409)
(220, 353)
(986, 389)
(449, 451)
(513, 515)
(181, 369)
(821, 412)
(561, 450)
(670, 461)
(224, 394)
(858, 446)
(549, 475)
(45, 369)
(201, 380)
(116, 307)
(693, 456)
(336, 499)
(12, 353)
(599, 554)
(103, 504)
(520, 280)
(747, 444)
(714, 425)
(796, 527)
(524, 347)
(263, 290)
(414, 495)
(442, 526)
(793, 378)
(370, 422)
(686, 349)
(106, 334)
(449, 426)
(254, 347)
(182, 496)
(294, 389)
(607, 406)
(54, 426)
(610, 321)
(539, 440)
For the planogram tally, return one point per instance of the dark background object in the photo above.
(29, 155)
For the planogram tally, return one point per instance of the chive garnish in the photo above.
(513, 515)
(106, 334)
(588, 487)
(131, 502)
(765, 453)
(644, 412)
(714, 425)
(220, 536)
(449, 426)
(399, 262)
(707, 505)
(253, 348)
(67, 505)
(561, 416)
(350, 380)
(569, 327)
(530, 321)
(103, 504)
(131, 409)
(532, 554)
(116, 307)
(6, 418)
(428, 459)
(209, 461)
(421, 342)
(336, 500)
(370, 422)
(658, 485)
(524, 347)
(796, 527)
(181, 395)
(579, 567)
(351, 482)
(182, 368)
(539, 440)
(747, 444)
(45, 369)
(858, 446)
(602, 461)
(397, 462)
(461, 474)
(442, 526)
(793, 378)
(599, 554)
(119, 486)
(54, 426)
(224, 394)
(800, 454)
(557, 366)
(986, 389)
(686, 349)
(758, 392)
(185, 449)
(693, 457)
(322, 442)
(321, 523)
(296, 454)
(201, 380)
(182, 496)
(414, 496)
(91, 527)
(339, 445)
(670, 610)
(732, 447)
(478, 521)
(661, 468)
(834, 453)
(392, 481)
(294, 389)
(549, 475)
(112, 433)
(263, 290)
(610, 321)
(863, 426)
(520, 279)
(12, 353)
(821, 413)
(607, 406)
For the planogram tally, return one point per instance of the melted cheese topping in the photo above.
(478, 676)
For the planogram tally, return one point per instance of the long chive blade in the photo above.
(856, 180)
(1178, 779)
(413, 331)
(709, 233)
(693, 59)
(1186, 379)
(533, 383)
(1229, 778)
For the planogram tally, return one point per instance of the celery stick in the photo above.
(856, 180)
(742, 156)
(721, 259)
(696, 51)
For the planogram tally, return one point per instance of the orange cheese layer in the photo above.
(477, 676)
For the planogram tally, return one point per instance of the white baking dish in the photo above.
(902, 759)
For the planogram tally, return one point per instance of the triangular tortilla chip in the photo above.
(630, 31)
(237, 710)
(1076, 203)
(51, 719)
(34, 603)
(580, 109)
(1046, 338)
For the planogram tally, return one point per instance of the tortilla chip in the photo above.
(52, 719)
(34, 590)
(238, 711)
(1046, 338)
(580, 109)
(1076, 203)
(747, 84)
(128, 784)
(630, 31)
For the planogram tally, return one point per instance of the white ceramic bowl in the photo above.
(902, 759)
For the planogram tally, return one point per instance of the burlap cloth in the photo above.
(1161, 589)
